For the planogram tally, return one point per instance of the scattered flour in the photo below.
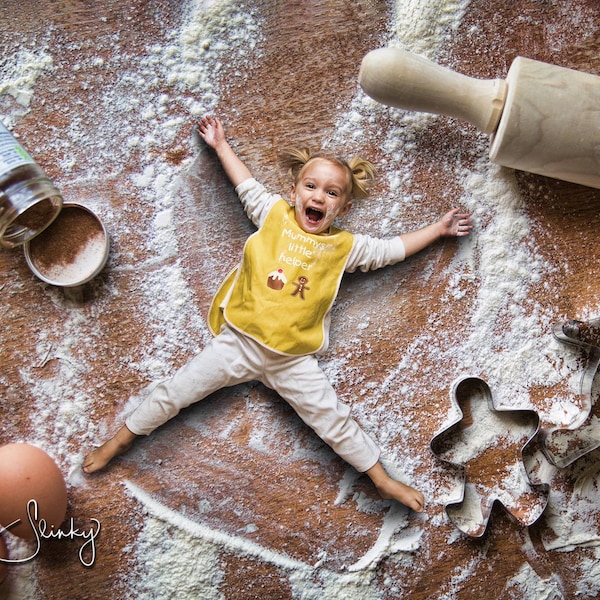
(422, 27)
(198, 549)
(528, 584)
(19, 78)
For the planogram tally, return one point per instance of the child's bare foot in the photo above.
(99, 458)
(390, 489)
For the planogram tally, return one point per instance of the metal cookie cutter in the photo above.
(484, 447)
(563, 445)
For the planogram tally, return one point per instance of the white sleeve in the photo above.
(369, 253)
(256, 200)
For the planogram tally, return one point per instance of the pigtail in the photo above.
(363, 175)
(294, 159)
(361, 171)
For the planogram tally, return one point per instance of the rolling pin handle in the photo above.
(401, 79)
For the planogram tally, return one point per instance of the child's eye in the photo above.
(332, 193)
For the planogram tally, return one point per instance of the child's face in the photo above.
(321, 194)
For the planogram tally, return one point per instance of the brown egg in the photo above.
(3, 554)
(28, 473)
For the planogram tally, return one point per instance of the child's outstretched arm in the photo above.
(453, 223)
(212, 132)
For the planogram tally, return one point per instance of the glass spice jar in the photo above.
(29, 201)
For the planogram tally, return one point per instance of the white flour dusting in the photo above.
(528, 584)
(19, 77)
(495, 269)
(422, 27)
(199, 548)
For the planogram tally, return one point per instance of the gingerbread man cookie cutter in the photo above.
(485, 444)
(564, 445)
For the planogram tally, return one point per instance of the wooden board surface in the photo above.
(235, 498)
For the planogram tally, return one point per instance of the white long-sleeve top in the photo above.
(368, 253)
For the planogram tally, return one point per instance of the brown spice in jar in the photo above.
(36, 217)
(65, 238)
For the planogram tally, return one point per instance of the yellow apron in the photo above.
(285, 286)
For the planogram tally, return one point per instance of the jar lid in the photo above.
(72, 250)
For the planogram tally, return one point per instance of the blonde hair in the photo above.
(361, 172)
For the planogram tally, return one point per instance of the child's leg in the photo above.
(225, 361)
(302, 383)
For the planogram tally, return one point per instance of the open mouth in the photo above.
(313, 215)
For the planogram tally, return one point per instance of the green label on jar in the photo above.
(12, 154)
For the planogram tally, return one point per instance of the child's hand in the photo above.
(211, 131)
(456, 224)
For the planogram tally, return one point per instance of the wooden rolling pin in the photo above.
(543, 119)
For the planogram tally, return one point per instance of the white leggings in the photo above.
(232, 358)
